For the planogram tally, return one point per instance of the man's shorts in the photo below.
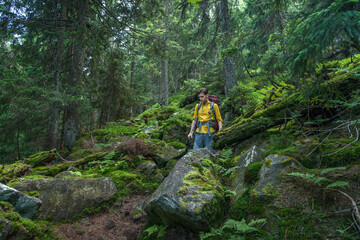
(203, 140)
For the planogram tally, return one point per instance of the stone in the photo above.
(168, 153)
(190, 195)
(64, 198)
(239, 185)
(148, 168)
(26, 206)
(269, 172)
(109, 225)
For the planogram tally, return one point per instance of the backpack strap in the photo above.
(213, 110)
(197, 117)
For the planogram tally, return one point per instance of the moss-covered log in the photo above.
(258, 123)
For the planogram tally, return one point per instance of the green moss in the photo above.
(177, 145)
(268, 162)
(30, 229)
(41, 158)
(81, 153)
(14, 170)
(239, 210)
(6, 206)
(251, 174)
(155, 135)
(349, 155)
(32, 193)
(142, 135)
(269, 190)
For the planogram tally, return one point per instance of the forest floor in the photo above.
(117, 223)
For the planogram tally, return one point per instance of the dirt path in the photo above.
(116, 224)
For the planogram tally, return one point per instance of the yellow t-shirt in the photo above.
(204, 116)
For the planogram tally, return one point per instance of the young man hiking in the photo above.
(205, 115)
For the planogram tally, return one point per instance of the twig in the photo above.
(353, 206)
(319, 144)
(347, 145)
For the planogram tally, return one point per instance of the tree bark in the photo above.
(229, 72)
(72, 121)
(51, 139)
(166, 78)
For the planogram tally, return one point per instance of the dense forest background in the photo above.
(68, 67)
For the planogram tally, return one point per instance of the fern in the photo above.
(338, 184)
(109, 156)
(332, 169)
(310, 177)
(233, 229)
(159, 229)
(230, 170)
(225, 155)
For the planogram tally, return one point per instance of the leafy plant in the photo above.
(233, 229)
(155, 232)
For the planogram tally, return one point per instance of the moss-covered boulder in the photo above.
(64, 198)
(268, 175)
(26, 206)
(8, 172)
(42, 158)
(190, 196)
(239, 183)
(165, 154)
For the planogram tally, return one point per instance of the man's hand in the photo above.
(190, 135)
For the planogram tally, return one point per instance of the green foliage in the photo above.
(310, 177)
(252, 172)
(233, 229)
(338, 184)
(327, 170)
(155, 232)
(225, 154)
(177, 145)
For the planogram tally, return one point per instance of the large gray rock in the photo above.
(26, 206)
(64, 198)
(239, 185)
(190, 196)
(269, 181)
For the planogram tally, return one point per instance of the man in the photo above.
(204, 119)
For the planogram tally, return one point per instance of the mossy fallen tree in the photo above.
(259, 122)
(337, 85)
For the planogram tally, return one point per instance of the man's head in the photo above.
(203, 95)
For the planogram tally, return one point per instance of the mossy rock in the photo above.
(190, 196)
(41, 158)
(18, 169)
(177, 145)
(81, 153)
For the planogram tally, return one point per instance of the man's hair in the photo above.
(202, 90)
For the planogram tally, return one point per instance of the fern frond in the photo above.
(332, 169)
(338, 184)
(230, 170)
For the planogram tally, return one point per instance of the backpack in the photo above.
(213, 99)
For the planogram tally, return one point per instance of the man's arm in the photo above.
(192, 129)
(220, 125)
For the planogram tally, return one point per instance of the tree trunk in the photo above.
(166, 78)
(72, 121)
(51, 139)
(229, 72)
